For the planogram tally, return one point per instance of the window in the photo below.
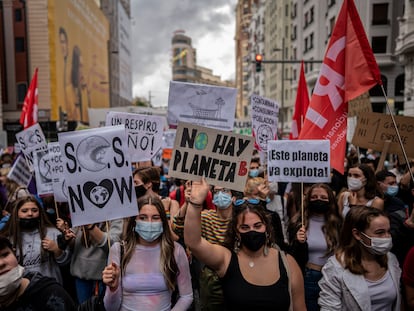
(21, 92)
(331, 3)
(311, 15)
(379, 44)
(19, 44)
(306, 45)
(380, 14)
(331, 25)
(294, 30)
(311, 41)
(399, 85)
(17, 15)
(294, 10)
(377, 90)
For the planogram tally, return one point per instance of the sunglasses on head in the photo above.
(253, 201)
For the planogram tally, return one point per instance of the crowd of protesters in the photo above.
(346, 245)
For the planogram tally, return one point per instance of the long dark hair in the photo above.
(13, 231)
(168, 265)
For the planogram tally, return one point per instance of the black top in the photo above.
(241, 295)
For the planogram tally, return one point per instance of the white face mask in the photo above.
(379, 246)
(10, 281)
(354, 184)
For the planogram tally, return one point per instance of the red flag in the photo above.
(301, 105)
(30, 105)
(348, 70)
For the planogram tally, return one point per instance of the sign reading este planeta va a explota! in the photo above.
(222, 157)
(97, 170)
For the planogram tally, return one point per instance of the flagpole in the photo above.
(398, 133)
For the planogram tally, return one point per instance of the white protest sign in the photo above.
(30, 140)
(298, 161)
(20, 172)
(168, 138)
(222, 157)
(265, 113)
(144, 133)
(97, 170)
(56, 166)
(204, 105)
(43, 173)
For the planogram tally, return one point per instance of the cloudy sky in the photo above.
(210, 24)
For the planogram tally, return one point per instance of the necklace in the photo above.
(251, 264)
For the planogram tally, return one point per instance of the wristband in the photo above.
(195, 204)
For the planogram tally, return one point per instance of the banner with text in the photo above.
(30, 140)
(223, 158)
(144, 133)
(299, 161)
(265, 113)
(20, 172)
(43, 173)
(56, 167)
(97, 170)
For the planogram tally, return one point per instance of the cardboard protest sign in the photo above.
(20, 172)
(359, 105)
(204, 105)
(299, 161)
(43, 172)
(56, 167)
(373, 129)
(144, 133)
(243, 127)
(30, 140)
(223, 158)
(97, 170)
(265, 113)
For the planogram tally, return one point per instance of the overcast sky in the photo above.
(210, 24)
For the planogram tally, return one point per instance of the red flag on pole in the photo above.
(30, 105)
(301, 105)
(348, 70)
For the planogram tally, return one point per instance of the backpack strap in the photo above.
(285, 263)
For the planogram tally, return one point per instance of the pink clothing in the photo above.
(143, 284)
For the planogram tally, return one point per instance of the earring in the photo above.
(236, 245)
(266, 246)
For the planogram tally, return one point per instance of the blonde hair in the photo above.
(252, 184)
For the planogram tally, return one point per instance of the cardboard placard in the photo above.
(359, 105)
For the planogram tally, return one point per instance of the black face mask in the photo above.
(318, 206)
(140, 191)
(29, 223)
(253, 240)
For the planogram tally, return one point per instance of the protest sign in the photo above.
(20, 172)
(97, 170)
(373, 129)
(56, 167)
(204, 105)
(30, 140)
(144, 133)
(265, 113)
(243, 127)
(299, 161)
(43, 173)
(359, 105)
(222, 157)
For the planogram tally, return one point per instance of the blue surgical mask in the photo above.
(254, 172)
(392, 191)
(222, 200)
(149, 230)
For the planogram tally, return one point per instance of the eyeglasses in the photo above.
(253, 201)
(215, 191)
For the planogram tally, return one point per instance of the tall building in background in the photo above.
(184, 63)
(118, 13)
(296, 30)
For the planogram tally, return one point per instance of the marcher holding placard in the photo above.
(35, 239)
(152, 265)
(254, 274)
(315, 237)
(362, 190)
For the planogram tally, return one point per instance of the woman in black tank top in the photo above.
(255, 275)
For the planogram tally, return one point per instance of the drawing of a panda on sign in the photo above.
(97, 170)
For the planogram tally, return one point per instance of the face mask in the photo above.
(254, 172)
(140, 191)
(354, 184)
(222, 200)
(318, 206)
(379, 246)
(392, 191)
(29, 223)
(253, 240)
(10, 281)
(149, 230)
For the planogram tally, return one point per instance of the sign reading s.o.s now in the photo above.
(223, 158)
(373, 129)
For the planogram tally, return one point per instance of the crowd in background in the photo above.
(344, 245)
